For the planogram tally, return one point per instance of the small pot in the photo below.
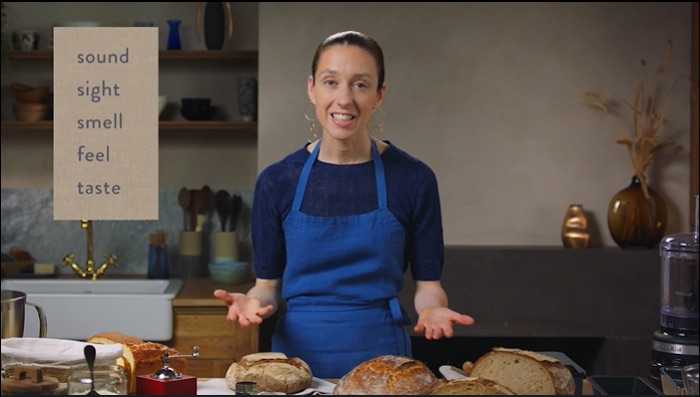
(28, 94)
(31, 112)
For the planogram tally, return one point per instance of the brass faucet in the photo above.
(90, 272)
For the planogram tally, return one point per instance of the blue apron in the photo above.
(341, 282)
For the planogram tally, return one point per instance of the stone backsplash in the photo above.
(27, 222)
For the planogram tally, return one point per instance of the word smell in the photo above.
(114, 122)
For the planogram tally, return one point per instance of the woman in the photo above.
(337, 221)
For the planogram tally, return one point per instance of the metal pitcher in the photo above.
(13, 303)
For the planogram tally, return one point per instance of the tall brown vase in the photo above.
(635, 221)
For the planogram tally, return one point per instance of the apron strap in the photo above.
(379, 177)
(306, 171)
(304, 178)
(397, 312)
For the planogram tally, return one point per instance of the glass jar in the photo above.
(109, 380)
(680, 254)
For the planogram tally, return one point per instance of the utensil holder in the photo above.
(225, 246)
(191, 243)
(189, 263)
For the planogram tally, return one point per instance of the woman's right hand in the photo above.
(244, 309)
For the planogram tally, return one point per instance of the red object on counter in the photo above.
(183, 386)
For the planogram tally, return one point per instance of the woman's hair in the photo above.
(352, 38)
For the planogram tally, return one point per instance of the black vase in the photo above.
(214, 25)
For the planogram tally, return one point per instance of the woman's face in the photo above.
(345, 90)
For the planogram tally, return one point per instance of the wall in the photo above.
(186, 158)
(490, 96)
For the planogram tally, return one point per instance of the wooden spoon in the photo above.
(222, 207)
(185, 200)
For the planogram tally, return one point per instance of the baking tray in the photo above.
(622, 385)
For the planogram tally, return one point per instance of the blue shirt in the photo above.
(350, 189)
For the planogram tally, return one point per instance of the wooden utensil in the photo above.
(184, 198)
(207, 200)
(206, 205)
(197, 205)
(236, 204)
(222, 200)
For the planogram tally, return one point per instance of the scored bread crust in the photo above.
(106, 338)
(388, 375)
(471, 386)
(272, 372)
(553, 377)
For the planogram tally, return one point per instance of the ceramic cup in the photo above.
(248, 98)
(26, 40)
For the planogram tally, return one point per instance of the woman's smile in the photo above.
(343, 119)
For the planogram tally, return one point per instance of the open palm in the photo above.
(438, 322)
(246, 310)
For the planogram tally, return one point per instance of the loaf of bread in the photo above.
(470, 387)
(272, 372)
(107, 338)
(524, 372)
(139, 357)
(388, 375)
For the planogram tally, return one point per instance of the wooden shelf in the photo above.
(234, 56)
(222, 126)
(208, 126)
(204, 55)
(45, 125)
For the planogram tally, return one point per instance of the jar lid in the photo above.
(681, 242)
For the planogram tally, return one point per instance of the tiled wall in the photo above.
(27, 222)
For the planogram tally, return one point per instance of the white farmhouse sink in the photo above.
(78, 309)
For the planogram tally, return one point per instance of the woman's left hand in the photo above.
(437, 322)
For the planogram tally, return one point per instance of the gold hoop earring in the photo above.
(312, 127)
(378, 131)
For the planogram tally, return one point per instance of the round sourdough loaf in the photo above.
(525, 372)
(388, 375)
(470, 387)
(272, 372)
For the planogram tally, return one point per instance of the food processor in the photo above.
(675, 344)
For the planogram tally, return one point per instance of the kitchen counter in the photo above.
(199, 292)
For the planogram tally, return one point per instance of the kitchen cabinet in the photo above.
(200, 319)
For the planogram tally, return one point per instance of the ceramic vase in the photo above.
(634, 220)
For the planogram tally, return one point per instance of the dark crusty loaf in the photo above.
(388, 375)
(470, 387)
(525, 372)
(272, 372)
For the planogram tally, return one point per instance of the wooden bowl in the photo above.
(28, 94)
(30, 112)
